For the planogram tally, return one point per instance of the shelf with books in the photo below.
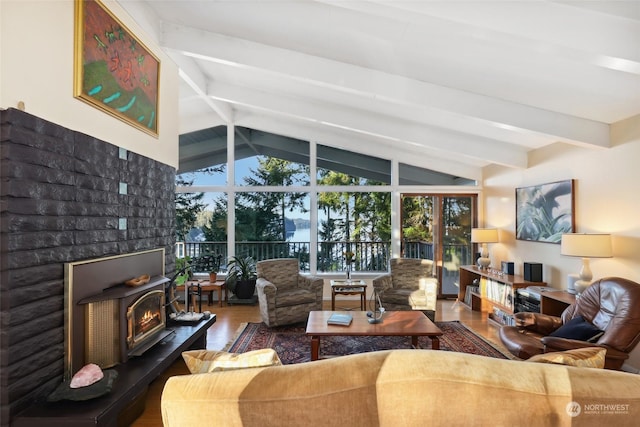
(491, 293)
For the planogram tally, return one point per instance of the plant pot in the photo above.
(245, 288)
(213, 277)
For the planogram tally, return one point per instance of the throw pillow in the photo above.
(578, 329)
(588, 357)
(202, 361)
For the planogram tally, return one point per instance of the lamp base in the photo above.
(484, 262)
(580, 286)
(374, 317)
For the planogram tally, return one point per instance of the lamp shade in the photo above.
(484, 235)
(586, 245)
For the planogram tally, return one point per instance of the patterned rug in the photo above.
(293, 346)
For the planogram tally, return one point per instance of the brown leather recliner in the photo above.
(611, 305)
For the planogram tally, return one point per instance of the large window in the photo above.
(277, 200)
(342, 167)
(354, 222)
(264, 160)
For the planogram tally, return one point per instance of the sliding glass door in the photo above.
(438, 227)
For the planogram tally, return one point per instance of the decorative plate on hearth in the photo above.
(190, 317)
(137, 281)
(97, 389)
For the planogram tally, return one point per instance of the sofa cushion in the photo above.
(589, 357)
(397, 296)
(578, 329)
(412, 299)
(202, 361)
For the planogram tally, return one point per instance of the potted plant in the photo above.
(211, 263)
(183, 271)
(214, 268)
(241, 276)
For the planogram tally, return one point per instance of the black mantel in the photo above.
(133, 378)
(123, 291)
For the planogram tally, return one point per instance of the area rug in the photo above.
(293, 346)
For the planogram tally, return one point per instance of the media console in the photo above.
(495, 294)
(554, 303)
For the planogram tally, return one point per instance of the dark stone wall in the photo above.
(60, 201)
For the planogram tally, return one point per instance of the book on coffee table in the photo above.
(339, 319)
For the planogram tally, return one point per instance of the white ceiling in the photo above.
(451, 86)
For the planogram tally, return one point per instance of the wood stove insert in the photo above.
(97, 301)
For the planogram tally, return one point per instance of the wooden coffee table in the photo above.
(413, 324)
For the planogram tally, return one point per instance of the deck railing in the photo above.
(370, 256)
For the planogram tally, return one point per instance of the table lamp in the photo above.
(377, 310)
(585, 246)
(484, 236)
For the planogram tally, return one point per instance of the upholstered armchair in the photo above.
(607, 314)
(410, 285)
(286, 296)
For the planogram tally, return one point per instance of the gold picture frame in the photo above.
(113, 70)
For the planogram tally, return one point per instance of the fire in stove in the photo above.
(145, 317)
(147, 321)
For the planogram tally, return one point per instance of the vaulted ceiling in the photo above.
(450, 86)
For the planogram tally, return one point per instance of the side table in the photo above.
(348, 287)
(219, 286)
(193, 290)
(555, 302)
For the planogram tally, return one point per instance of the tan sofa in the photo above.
(404, 388)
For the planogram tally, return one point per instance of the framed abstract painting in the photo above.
(544, 212)
(114, 70)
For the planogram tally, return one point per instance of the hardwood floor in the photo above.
(230, 318)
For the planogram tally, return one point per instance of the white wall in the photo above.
(36, 68)
(607, 188)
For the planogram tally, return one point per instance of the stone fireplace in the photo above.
(62, 201)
